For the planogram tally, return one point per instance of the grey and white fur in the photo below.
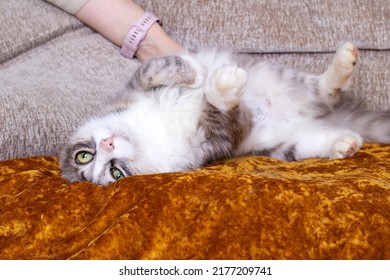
(182, 112)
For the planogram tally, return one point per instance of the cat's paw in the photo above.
(338, 75)
(229, 80)
(227, 85)
(171, 71)
(346, 59)
(346, 146)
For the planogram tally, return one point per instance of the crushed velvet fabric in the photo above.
(55, 72)
(245, 208)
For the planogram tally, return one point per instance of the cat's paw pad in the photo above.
(346, 146)
(347, 57)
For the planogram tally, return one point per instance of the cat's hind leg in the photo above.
(315, 140)
(346, 146)
(338, 75)
(331, 143)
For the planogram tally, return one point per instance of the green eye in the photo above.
(84, 157)
(116, 173)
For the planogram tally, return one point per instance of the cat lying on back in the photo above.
(182, 112)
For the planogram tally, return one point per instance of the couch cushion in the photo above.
(55, 72)
(25, 25)
(53, 88)
(276, 26)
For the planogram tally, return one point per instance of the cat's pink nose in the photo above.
(108, 144)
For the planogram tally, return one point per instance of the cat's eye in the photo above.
(84, 157)
(116, 173)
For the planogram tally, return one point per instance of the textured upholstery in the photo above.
(55, 73)
(247, 208)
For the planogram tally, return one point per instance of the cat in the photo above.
(182, 112)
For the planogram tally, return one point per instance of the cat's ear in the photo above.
(169, 71)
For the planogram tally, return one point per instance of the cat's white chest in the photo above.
(165, 129)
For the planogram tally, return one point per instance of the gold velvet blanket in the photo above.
(245, 208)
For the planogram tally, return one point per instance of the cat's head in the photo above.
(101, 152)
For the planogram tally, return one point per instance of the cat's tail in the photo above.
(372, 125)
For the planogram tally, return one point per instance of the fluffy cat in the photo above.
(182, 112)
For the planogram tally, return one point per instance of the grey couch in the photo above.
(55, 71)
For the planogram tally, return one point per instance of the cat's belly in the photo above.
(272, 123)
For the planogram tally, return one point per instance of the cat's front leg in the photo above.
(225, 121)
(225, 87)
(171, 71)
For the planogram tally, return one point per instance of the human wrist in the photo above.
(157, 44)
(137, 33)
(110, 18)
